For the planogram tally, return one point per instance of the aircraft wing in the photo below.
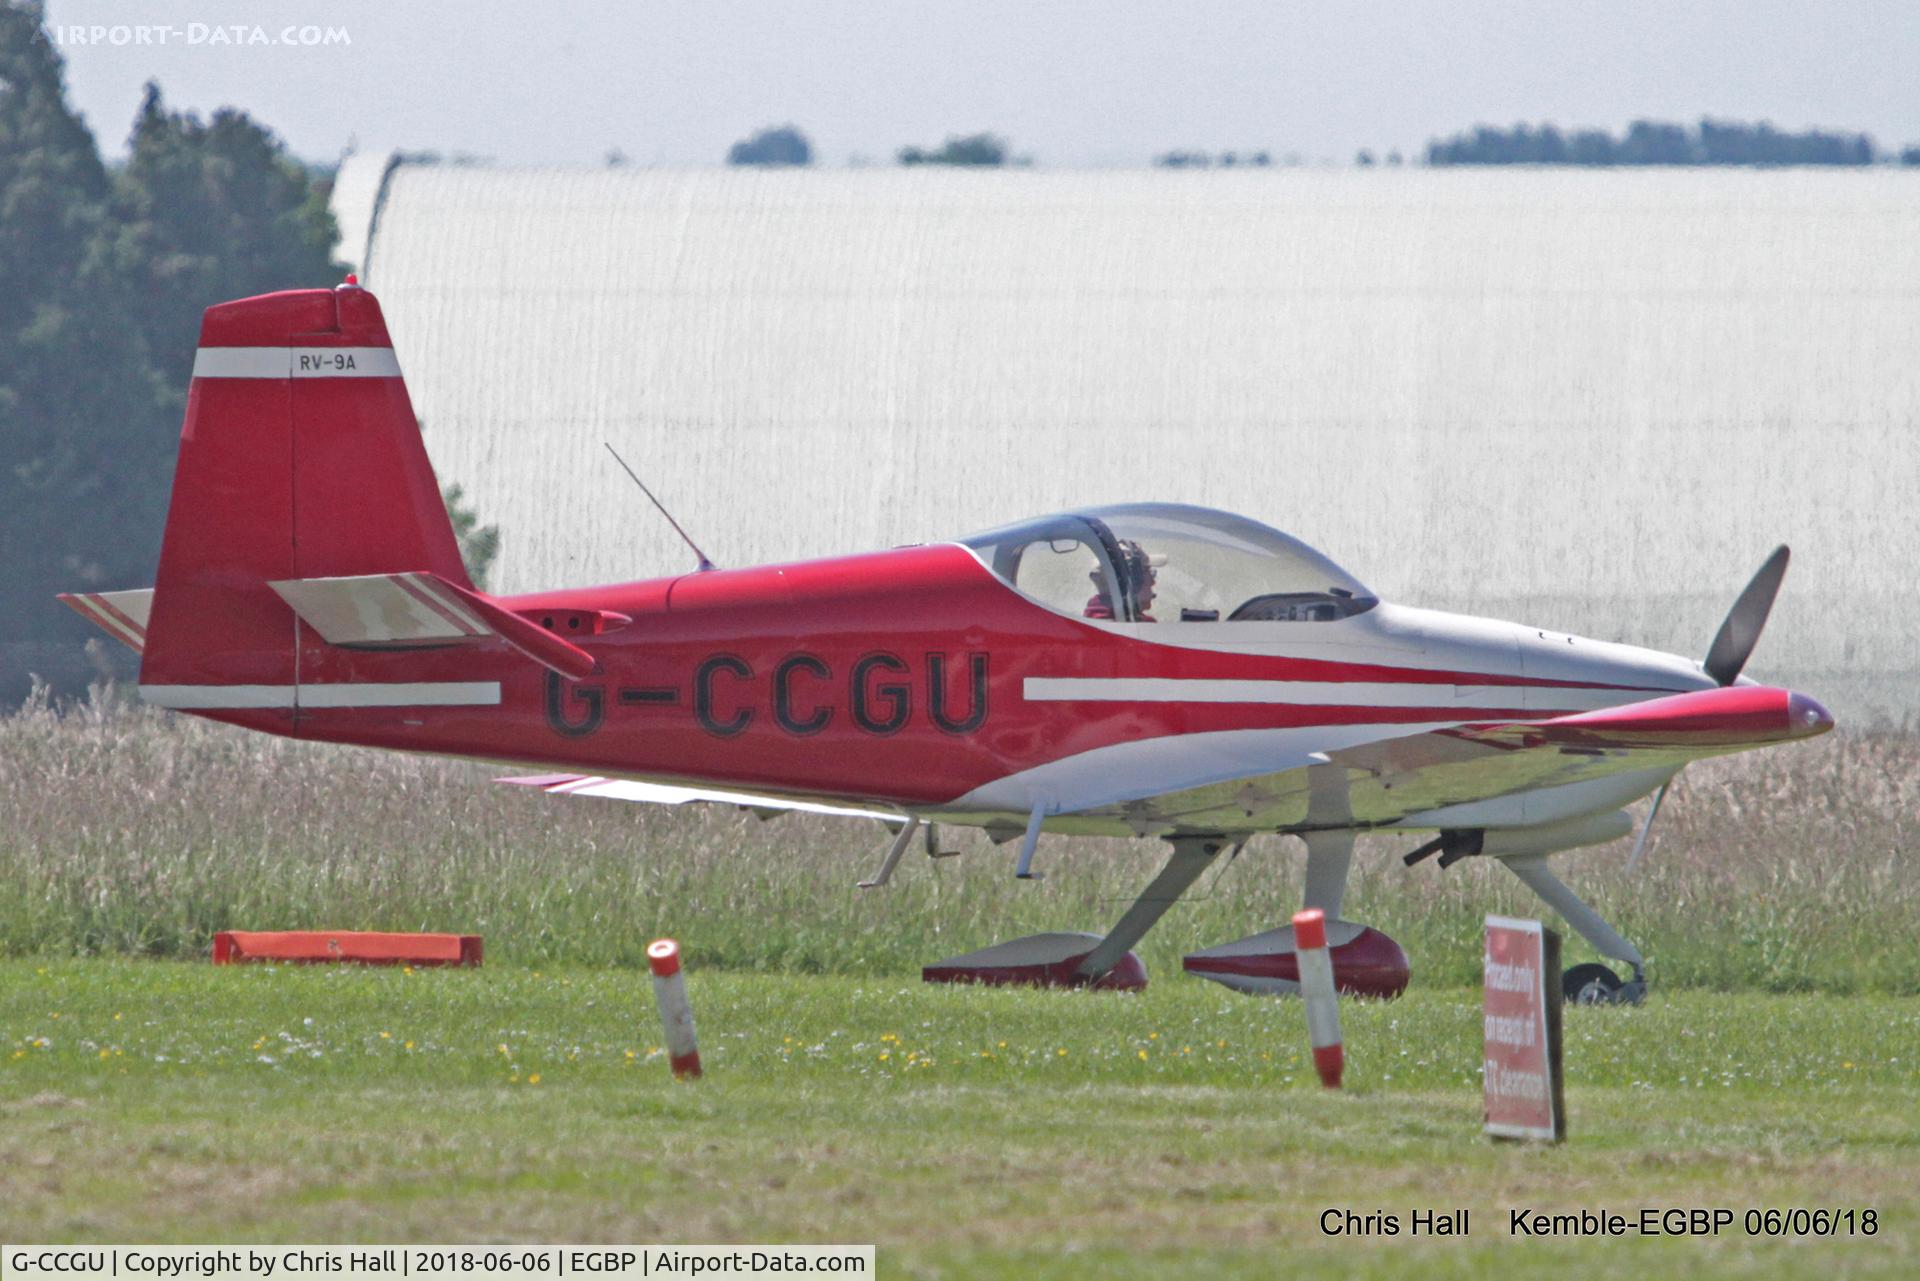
(621, 789)
(1414, 779)
(1409, 779)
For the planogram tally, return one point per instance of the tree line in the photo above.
(104, 271)
(785, 146)
(1645, 142)
(1650, 142)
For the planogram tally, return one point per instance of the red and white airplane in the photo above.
(1143, 670)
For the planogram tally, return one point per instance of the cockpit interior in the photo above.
(1168, 562)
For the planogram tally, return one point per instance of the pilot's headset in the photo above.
(1136, 570)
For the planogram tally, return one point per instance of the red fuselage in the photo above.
(896, 677)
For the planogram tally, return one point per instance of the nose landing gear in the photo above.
(1590, 984)
(1595, 984)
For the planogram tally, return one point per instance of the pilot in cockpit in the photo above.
(1137, 570)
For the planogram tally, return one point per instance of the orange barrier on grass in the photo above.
(230, 947)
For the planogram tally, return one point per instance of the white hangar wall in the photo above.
(1588, 401)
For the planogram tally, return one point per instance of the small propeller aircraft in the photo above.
(1147, 670)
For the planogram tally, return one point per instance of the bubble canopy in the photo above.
(1168, 562)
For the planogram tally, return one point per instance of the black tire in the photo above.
(1591, 984)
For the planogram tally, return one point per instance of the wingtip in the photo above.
(1808, 715)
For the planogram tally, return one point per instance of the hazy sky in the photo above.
(1072, 84)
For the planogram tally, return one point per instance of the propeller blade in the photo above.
(1640, 842)
(1739, 633)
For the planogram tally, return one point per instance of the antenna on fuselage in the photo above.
(705, 564)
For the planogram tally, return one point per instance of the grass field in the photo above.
(144, 1095)
(966, 1132)
(125, 831)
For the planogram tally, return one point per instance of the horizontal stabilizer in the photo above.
(621, 789)
(122, 615)
(410, 610)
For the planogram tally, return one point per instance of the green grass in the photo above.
(125, 831)
(1181, 1130)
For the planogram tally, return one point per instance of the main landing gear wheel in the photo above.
(1595, 984)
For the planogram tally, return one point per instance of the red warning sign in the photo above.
(1522, 1031)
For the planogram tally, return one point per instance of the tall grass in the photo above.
(124, 830)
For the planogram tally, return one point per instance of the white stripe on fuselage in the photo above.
(356, 694)
(295, 362)
(1166, 689)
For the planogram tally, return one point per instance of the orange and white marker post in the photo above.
(1316, 988)
(676, 1015)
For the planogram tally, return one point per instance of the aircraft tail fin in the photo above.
(300, 458)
